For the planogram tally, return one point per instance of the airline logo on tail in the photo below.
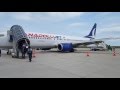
(92, 32)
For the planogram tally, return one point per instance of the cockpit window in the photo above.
(1, 35)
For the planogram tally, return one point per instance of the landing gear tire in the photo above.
(13, 55)
(72, 50)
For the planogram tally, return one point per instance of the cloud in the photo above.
(57, 16)
(104, 13)
(22, 16)
(1, 14)
(52, 16)
(60, 16)
(76, 24)
(64, 14)
(4, 29)
(111, 28)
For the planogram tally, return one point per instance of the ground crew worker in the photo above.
(110, 47)
(30, 53)
(0, 52)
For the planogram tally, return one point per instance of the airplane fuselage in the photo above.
(41, 40)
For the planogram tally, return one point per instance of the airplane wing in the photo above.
(95, 41)
(87, 43)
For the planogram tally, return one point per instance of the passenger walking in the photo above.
(30, 53)
(0, 52)
(26, 49)
(23, 50)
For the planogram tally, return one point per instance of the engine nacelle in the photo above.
(66, 47)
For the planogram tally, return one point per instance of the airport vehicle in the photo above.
(99, 47)
(16, 37)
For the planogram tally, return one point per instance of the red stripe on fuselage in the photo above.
(39, 35)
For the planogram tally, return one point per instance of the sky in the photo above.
(65, 23)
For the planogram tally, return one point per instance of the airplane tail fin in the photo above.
(92, 32)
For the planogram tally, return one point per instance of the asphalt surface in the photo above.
(53, 64)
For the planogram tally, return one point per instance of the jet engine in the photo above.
(65, 47)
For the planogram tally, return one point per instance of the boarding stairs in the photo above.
(17, 37)
(103, 44)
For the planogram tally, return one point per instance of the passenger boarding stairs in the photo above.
(103, 44)
(18, 37)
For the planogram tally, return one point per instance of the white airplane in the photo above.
(48, 41)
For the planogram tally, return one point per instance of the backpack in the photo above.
(29, 51)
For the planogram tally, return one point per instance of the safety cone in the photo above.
(114, 54)
(34, 53)
(88, 54)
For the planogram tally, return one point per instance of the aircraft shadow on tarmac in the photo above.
(77, 51)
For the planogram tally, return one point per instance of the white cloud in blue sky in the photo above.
(67, 23)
